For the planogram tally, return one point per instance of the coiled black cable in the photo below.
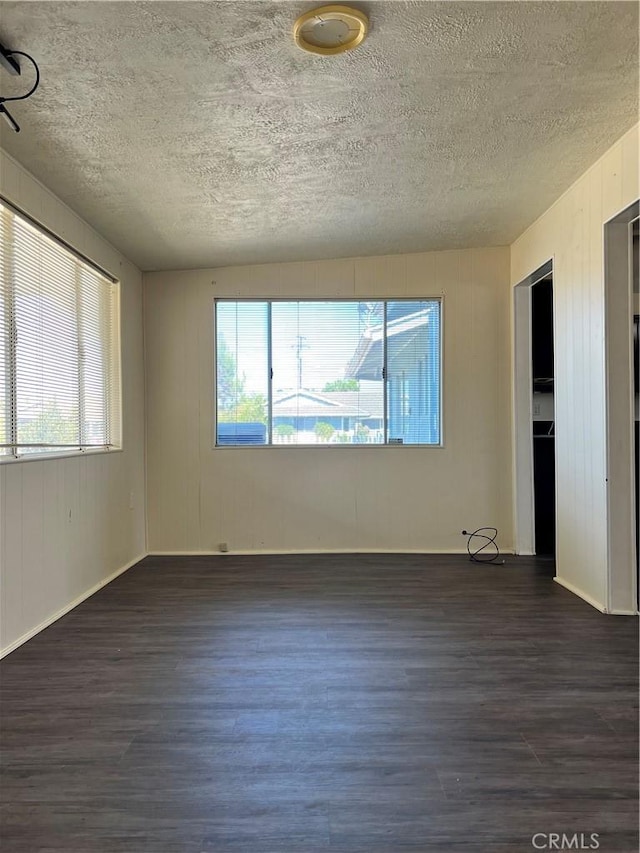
(478, 554)
(3, 110)
(37, 80)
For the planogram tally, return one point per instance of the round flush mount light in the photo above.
(330, 29)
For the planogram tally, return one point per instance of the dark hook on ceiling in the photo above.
(13, 67)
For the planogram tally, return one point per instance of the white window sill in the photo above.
(327, 446)
(63, 454)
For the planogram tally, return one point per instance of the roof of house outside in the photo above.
(331, 404)
(366, 362)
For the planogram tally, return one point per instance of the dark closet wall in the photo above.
(543, 438)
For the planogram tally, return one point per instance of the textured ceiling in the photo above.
(197, 134)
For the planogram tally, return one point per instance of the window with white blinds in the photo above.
(59, 346)
(341, 372)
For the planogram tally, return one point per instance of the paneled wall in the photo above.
(571, 233)
(330, 498)
(67, 525)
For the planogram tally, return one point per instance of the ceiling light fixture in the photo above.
(330, 30)
(13, 67)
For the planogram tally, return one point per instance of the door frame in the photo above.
(620, 482)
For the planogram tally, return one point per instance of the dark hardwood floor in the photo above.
(347, 704)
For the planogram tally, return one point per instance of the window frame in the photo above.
(15, 454)
(269, 301)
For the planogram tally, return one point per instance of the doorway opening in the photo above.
(534, 419)
(544, 457)
(635, 287)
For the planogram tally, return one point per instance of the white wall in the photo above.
(330, 498)
(571, 233)
(66, 525)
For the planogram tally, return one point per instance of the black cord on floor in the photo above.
(479, 554)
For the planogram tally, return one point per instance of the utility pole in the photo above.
(300, 345)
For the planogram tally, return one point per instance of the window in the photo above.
(328, 372)
(59, 346)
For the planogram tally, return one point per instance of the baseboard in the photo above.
(60, 613)
(267, 553)
(581, 594)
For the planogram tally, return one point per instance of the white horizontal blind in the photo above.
(320, 394)
(6, 336)
(413, 371)
(322, 372)
(242, 357)
(60, 368)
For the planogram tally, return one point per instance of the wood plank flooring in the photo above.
(342, 703)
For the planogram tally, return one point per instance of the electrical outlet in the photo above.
(130, 500)
(536, 408)
(223, 547)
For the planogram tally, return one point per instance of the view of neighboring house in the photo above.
(412, 370)
(354, 417)
(413, 388)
